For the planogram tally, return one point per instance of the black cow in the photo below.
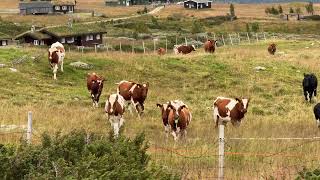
(316, 111)
(310, 84)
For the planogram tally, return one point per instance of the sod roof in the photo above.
(36, 35)
(4, 36)
(63, 2)
(76, 29)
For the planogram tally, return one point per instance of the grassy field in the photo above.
(277, 107)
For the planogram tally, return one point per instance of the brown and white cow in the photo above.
(176, 116)
(229, 109)
(161, 51)
(272, 48)
(115, 108)
(210, 46)
(95, 86)
(56, 54)
(134, 93)
(184, 49)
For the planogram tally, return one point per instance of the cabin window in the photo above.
(63, 40)
(4, 43)
(35, 42)
(57, 8)
(64, 7)
(89, 37)
(70, 40)
(98, 36)
(42, 42)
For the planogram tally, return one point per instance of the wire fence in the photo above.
(152, 44)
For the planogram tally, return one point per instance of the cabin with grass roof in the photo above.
(28, 7)
(88, 35)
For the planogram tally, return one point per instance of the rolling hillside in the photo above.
(277, 107)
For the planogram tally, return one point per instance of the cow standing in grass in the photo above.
(115, 109)
(210, 46)
(229, 109)
(176, 117)
(184, 49)
(272, 48)
(95, 86)
(134, 93)
(161, 51)
(56, 54)
(310, 84)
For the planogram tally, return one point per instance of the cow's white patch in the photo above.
(231, 105)
(144, 85)
(132, 88)
(175, 137)
(193, 47)
(112, 100)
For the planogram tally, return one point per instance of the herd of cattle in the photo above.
(176, 115)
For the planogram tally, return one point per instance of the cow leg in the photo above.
(315, 92)
(310, 96)
(116, 129)
(167, 130)
(305, 95)
(174, 134)
(121, 121)
(61, 63)
(55, 69)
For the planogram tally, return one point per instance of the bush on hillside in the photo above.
(314, 17)
(78, 156)
(308, 174)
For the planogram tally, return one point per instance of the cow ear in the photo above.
(238, 100)
(181, 107)
(146, 85)
(159, 105)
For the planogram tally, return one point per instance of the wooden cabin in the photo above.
(46, 7)
(4, 39)
(197, 4)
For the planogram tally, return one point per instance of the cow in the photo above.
(272, 48)
(176, 116)
(161, 51)
(229, 109)
(115, 108)
(56, 54)
(184, 49)
(316, 111)
(134, 93)
(210, 46)
(95, 86)
(310, 84)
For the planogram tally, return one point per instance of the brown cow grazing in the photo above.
(114, 109)
(95, 86)
(161, 51)
(134, 94)
(56, 55)
(228, 109)
(272, 48)
(184, 49)
(176, 117)
(210, 46)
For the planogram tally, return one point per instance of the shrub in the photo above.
(309, 174)
(196, 27)
(78, 156)
(255, 27)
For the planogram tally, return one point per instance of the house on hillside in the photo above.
(117, 2)
(47, 7)
(75, 35)
(4, 39)
(197, 4)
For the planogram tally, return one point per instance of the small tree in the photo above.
(255, 27)
(232, 13)
(267, 10)
(291, 10)
(280, 10)
(309, 8)
(274, 11)
(298, 10)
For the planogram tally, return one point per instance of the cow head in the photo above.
(242, 105)
(193, 47)
(144, 90)
(96, 90)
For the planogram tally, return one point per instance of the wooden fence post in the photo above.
(29, 130)
(154, 45)
(230, 40)
(95, 48)
(185, 38)
(264, 35)
(257, 37)
(239, 38)
(214, 36)
(248, 37)
(176, 40)
(120, 47)
(107, 47)
(144, 49)
(221, 152)
(224, 43)
(132, 47)
(166, 45)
